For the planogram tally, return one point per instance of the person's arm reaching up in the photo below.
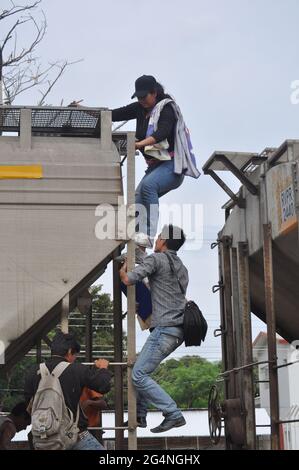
(97, 378)
(145, 269)
(125, 113)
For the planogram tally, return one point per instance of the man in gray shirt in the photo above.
(168, 304)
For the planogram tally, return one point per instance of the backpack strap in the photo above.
(174, 271)
(43, 370)
(57, 371)
(78, 414)
(60, 368)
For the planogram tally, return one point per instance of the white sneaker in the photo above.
(144, 240)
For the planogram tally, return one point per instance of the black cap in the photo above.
(144, 85)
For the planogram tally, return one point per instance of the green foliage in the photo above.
(188, 380)
(102, 336)
(12, 381)
(103, 329)
(101, 301)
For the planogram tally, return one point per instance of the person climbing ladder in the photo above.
(163, 139)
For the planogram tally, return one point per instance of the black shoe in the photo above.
(169, 423)
(141, 422)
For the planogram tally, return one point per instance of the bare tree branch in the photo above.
(17, 82)
(62, 67)
(9, 34)
(40, 33)
(21, 68)
(15, 9)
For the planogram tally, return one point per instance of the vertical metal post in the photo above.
(247, 374)
(118, 356)
(84, 305)
(226, 321)
(228, 314)
(88, 335)
(132, 436)
(65, 309)
(223, 336)
(236, 318)
(39, 351)
(222, 315)
(271, 335)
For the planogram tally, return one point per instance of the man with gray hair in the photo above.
(163, 269)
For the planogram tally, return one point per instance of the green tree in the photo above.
(102, 307)
(188, 380)
(12, 383)
(103, 326)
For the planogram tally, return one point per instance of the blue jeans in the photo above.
(161, 342)
(89, 442)
(156, 182)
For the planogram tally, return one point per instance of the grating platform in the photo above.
(53, 120)
(60, 122)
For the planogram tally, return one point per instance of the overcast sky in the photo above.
(229, 64)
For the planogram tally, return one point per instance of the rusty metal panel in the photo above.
(273, 255)
(247, 374)
(271, 337)
(228, 314)
(235, 422)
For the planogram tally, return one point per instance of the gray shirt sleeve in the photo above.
(146, 268)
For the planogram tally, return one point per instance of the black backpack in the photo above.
(194, 323)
